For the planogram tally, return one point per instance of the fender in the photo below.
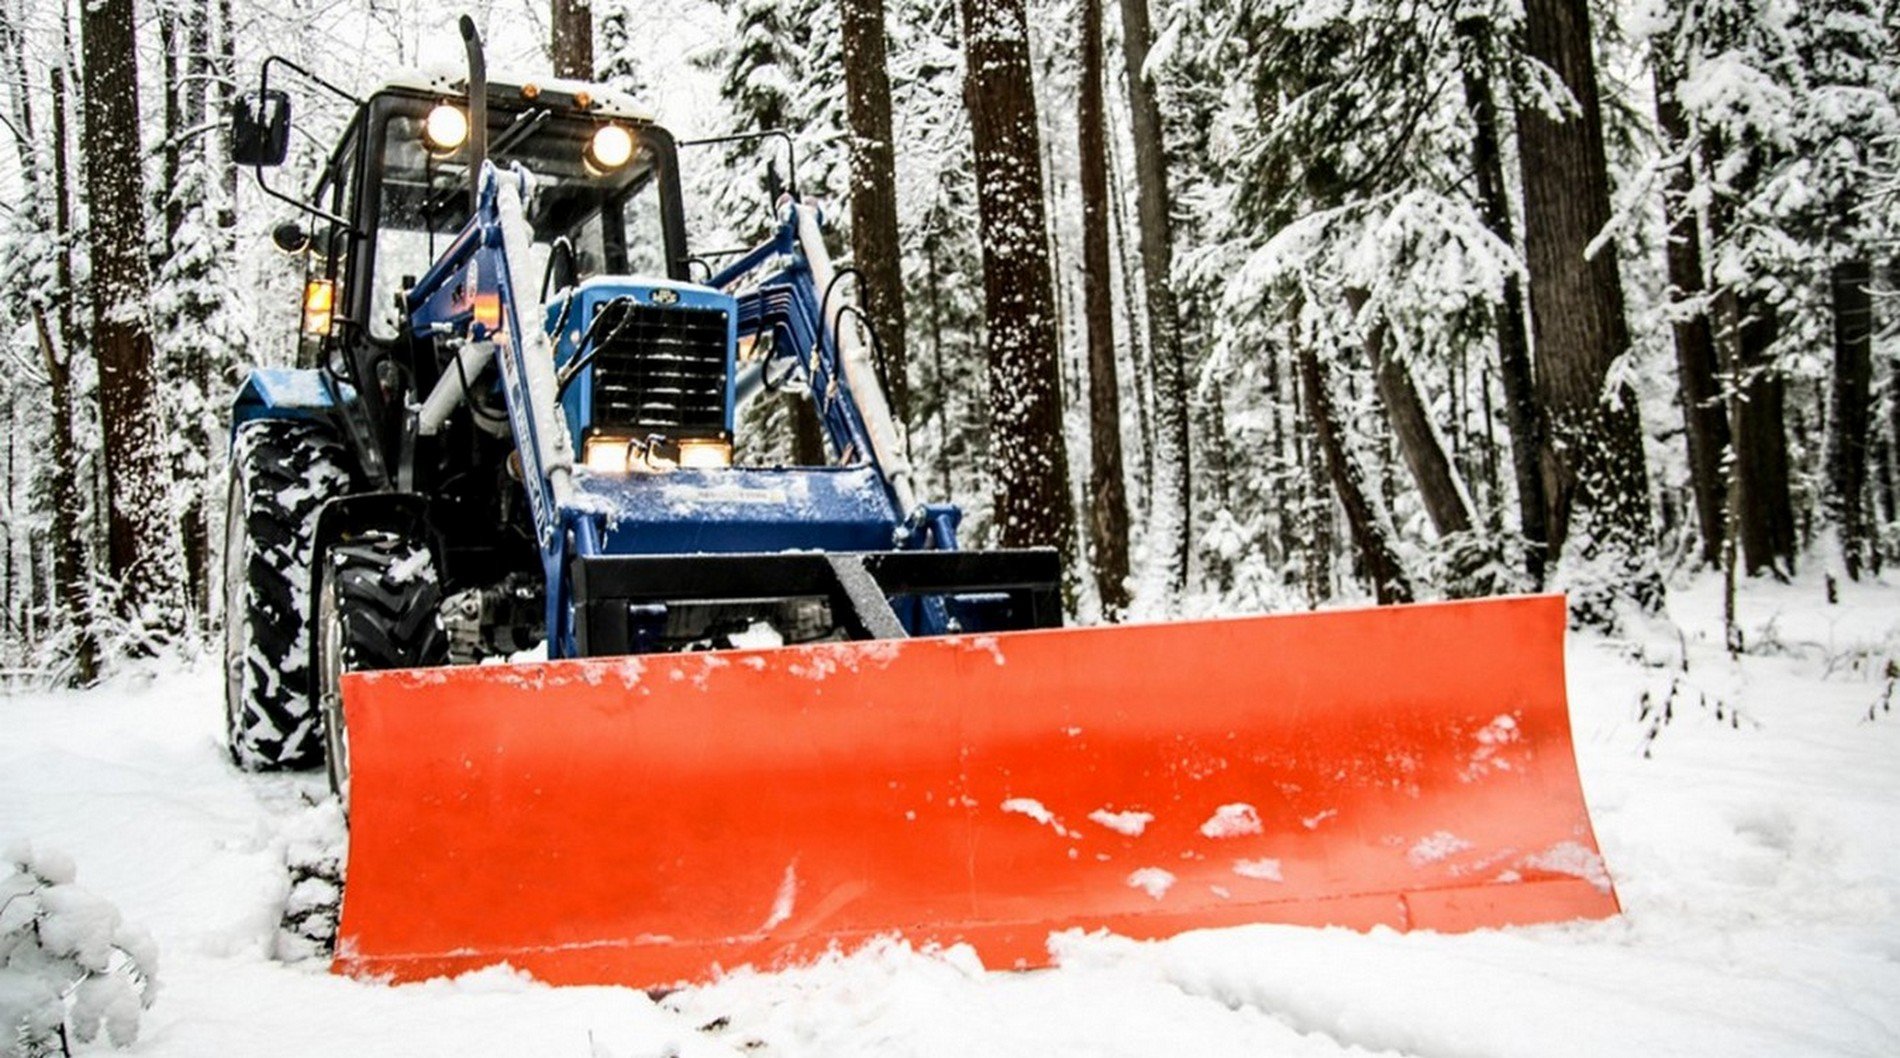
(283, 393)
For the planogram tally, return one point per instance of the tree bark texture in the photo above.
(1522, 413)
(59, 346)
(1172, 494)
(1704, 421)
(1850, 410)
(1419, 443)
(1765, 511)
(1107, 508)
(1595, 478)
(571, 25)
(1369, 532)
(875, 248)
(1027, 452)
(139, 533)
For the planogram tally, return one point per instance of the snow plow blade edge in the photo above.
(652, 820)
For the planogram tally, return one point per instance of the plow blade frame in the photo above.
(609, 590)
(652, 820)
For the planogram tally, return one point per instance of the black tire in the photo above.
(378, 607)
(282, 472)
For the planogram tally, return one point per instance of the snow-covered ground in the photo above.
(1749, 815)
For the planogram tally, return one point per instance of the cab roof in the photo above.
(603, 100)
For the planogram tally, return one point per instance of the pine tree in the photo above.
(1595, 479)
(1107, 506)
(141, 534)
(1028, 457)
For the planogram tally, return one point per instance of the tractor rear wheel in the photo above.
(378, 607)
(282, 472)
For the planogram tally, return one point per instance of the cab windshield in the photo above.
(610, 220)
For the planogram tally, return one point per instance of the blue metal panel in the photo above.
(285, 393)
(742, 509)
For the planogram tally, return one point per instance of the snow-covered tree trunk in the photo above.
(874, 243)
(1107, 508)
(141, 538)
(1705, 423)
(1522, 413)
(1370, 531)
(1171, 515)
(1597, 483)
(1418, 440)
(571, 28)
(1028, 456)
(69, 543)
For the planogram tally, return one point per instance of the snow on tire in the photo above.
(282, 472)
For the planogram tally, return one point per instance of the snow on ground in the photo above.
(1748, 814)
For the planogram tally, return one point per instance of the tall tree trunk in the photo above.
(1522, 413)
(69, 543)
(1369, 532)
(1027, 452)
(1108, 500)
(1765, 517)
(1595, 479)
(571, 25)
(225, 67)
(1419, 444)
(171, 146)
(139, 528)
(1705, 424)
(1850, 410)
(1138, 372)
(1172, 497)
(875, 249)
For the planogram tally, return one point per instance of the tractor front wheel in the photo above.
(378, 605)
(282, 472)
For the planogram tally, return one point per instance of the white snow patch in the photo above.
(1129, 823)
(760, 636)
(1029, 806)
(1312, 822)
(1152, 880)
(784, 900)
(1434, 847)
(1574, 859)
(1265, 870)
(1232, 821)
(409, 567)
(990, 645)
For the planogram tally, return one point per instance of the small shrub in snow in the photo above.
(68, 965)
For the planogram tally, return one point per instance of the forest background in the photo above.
(1244, 304)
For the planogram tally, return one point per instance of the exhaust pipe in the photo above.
(477, 112)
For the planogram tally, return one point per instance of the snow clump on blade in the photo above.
(1129, 823)
(1232, 821)
(1152, 880)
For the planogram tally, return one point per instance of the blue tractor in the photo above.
(517, 417)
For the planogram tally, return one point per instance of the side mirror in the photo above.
(260, 128)
(290, 237)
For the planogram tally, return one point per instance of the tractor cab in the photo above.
(603, 201)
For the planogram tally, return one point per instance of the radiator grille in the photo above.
(660, 370)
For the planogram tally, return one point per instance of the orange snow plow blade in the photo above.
(652, 820)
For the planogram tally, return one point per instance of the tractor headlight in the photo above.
(701, 455)
(445, 129)
(606, 455)
(608, 149)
